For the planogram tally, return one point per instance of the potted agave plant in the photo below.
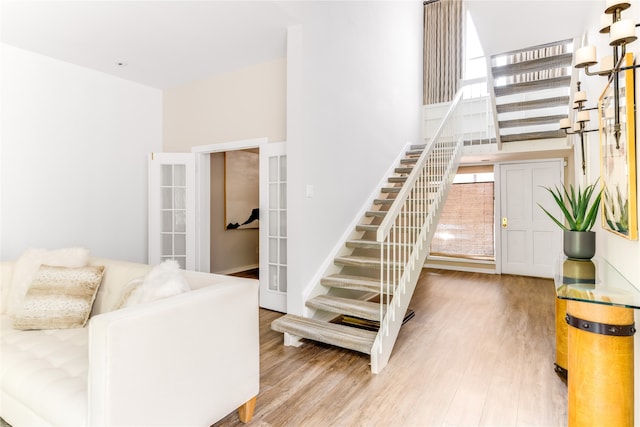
(580, 213)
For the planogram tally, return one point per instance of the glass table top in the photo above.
(594, 281)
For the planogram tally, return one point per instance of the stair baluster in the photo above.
(403, 220)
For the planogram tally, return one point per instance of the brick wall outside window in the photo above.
(466, 223)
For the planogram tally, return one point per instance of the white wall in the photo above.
(622, 253)
(245, 104)
(74, 157)
(354, 99)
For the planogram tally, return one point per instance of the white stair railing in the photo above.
(407, 228)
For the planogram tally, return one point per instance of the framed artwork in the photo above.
(618, 155)
(241, 189)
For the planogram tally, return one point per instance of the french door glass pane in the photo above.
(179, 175)
(273, 225)
(273, 169)
(282, 283)
(273, 251)
(173, 213)
(179, 244)
(180, 201)
(273, 196)
(273, 277)
(167, 221)
(167, 175)
(283, 169)
(180, 221)
(167, 244)
(283, 196)
(283, 223)
(283, 251)
(167, 198)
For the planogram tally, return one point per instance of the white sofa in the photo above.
(186, 360)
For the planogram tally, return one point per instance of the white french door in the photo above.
(530, 241)
(273, 226)
(179, 192)
(172, 209)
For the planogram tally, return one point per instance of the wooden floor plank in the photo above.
(479, 352)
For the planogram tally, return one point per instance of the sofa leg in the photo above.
(245, 412)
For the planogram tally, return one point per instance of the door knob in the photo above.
(504, 222)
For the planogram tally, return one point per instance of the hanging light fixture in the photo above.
(621, 33)
(582, 116)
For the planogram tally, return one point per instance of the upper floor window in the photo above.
(475, 65)
(474, 80)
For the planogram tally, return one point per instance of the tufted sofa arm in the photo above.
(188, 360)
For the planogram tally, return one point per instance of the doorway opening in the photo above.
(234, 201)
(267, 249)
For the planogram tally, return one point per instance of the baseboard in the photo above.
(466, 265)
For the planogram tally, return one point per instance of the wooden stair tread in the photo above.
(363, 244)
(556, 101)
(536, 85)
(383, 201)
(403, 170)
(370, 244)
(363, 261)
(353, 307)
(530, 136)
(376, 214)
(533, 65)
(531, 121)
(390, 189)
(330, 333)
(375, 227)
(345, 281)
(395, 190)
(536, 47)
(397, 179)
(367, 227)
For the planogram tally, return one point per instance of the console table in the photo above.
(594, 341)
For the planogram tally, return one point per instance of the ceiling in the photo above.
(506, 25)
(156, 43)
(164, 44)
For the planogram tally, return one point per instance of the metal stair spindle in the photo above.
(380, 264)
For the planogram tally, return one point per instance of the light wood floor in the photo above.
(479, 352)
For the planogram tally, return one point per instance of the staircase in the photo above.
(374, 275)
(531, 90)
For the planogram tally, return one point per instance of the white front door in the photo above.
(172, 209)
(273, 226)
(530, 241)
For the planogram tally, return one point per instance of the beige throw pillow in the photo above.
(59, 298)
(26, 268)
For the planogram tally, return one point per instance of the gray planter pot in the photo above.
(579, 244)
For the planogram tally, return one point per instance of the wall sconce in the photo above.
(621, 32)
(582, 116)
